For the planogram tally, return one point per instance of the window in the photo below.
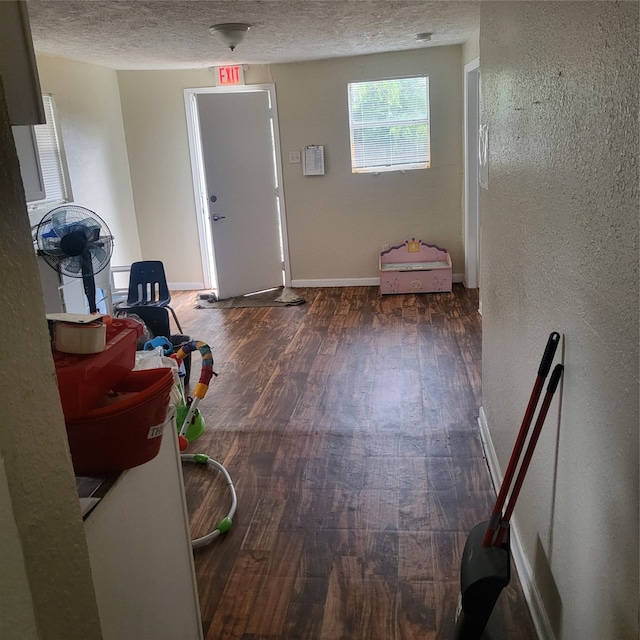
(389, 125)
(52, 161)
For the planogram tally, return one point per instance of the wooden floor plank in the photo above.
(349, 426)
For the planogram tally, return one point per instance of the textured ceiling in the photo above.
(141, 34)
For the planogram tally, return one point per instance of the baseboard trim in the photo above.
(311, 283)
(337, 282)
(531, 593)
(350, 282)
(186, 286)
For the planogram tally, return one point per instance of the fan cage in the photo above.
(68, 219)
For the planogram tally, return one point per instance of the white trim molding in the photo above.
(186, 286)
(337, 282)
(350, 282)
(471, 187)
(523, 567)
(311, 283)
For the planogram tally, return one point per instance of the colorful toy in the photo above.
(191, 426)
(184, 425)
(160, 341)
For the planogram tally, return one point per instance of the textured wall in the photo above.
(560, 252)
(37, 471)
(336, 223)
(16, 605)
(88, 106)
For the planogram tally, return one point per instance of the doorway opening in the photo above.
(237, 181)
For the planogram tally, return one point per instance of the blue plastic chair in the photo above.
(148, 287)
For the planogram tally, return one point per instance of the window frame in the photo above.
(49, 141)
(390, 165)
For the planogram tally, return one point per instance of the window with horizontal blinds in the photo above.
(49, 144)
(389, 125)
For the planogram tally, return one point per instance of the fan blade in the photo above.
(50, 233)
(90, 229)
(98, 252)
(72, 265)
(59, 222)
(50, 243)
(54, 253)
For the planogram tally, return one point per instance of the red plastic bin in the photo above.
(126, 430)
(84, 379)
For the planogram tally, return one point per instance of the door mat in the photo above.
(280, 297)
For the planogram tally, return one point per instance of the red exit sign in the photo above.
(227, 76)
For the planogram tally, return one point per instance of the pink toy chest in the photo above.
(415, 267)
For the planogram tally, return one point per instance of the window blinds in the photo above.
(49, 150)
(389, 125)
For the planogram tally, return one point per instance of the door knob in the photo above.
(216, 217)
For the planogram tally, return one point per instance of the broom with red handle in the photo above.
(535, 434)
(543, 370)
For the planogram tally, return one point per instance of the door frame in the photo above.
(201, 199)
(471, 185)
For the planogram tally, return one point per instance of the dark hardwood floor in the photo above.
(349, 427)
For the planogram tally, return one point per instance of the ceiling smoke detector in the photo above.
(424, 37)
(231, 34)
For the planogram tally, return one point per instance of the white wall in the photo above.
(560, 252)
(156, 131)
(88, 106)
(471, 48)
(336, 223)
(38, 497)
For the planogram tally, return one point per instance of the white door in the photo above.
(241, 185)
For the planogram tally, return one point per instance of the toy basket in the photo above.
(84, 379)
(125, 427)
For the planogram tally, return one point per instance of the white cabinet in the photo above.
(65, 294)
(140, 552)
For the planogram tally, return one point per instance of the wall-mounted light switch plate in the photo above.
(294, 157)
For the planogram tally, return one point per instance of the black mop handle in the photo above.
(549, 352)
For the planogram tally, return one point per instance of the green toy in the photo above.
(190, 425)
